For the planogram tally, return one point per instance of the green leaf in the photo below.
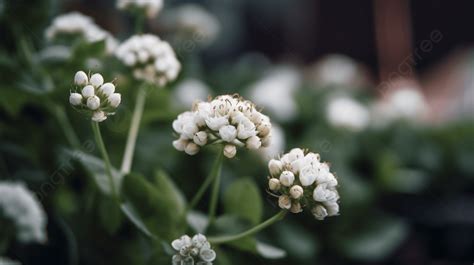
(243, 199)
(376, 240)
(110, 214)
(133, 216)
(96, 167)
(159, 205)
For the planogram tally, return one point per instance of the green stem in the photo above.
(215, 170)
(133, 132)
(139, 23)
(225, 239)
(105, 156)
(63, 121)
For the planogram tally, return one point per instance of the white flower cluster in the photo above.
(345, 112)
(301, 180)
(149, 7)
(96, 97)
(196, 250)
(19, 205)
(193, 21)
(76, 23)
(226, 119)
(152, 59)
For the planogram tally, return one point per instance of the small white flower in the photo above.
(308, 175)
(274, 184)
(80, 78)
(228, 133)
(296, 192)
(287, 178)
(253, 143)
(75, 99)
(191, 148)
(230, 150)
(319, 212)
(114, 100)
(99, 116)
(97, 80)
(93, 102)
(332, 207)
(193, 251)
(322, 194)
(207, 255)
(180, 144)
(275, 166)
(284, 202)
(215, 123)
(107, 89)
(149, 7)
(88, 91)
(200, 138)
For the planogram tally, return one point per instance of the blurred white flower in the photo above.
(191, 21)
(7, 261)
(189, 91)
(336, 70)
(149, 7)
(277, 145)
(75, 23)
(96, 98)
(275, 92)
(19, 206)
(345, 112)
(152, 59)
(305, 183)
(226, 119)
(402, 104)
(196, 250)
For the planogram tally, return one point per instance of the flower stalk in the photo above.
(226, 239)
(105, 157)
(133, 131)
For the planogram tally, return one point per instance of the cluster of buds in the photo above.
(149, 7)
(75, 23)
(228, 120)
(301, 180)
(95, 97)
(152, 59)
(196, 250)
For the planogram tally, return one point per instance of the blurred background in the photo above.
(383, 90)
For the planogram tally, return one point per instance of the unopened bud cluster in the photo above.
(94, 97)
(301, 180)
(196, 250)
(228, 120)
(152, 59)
(149, 7)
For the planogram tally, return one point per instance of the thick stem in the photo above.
(133, 132)
(225, 239)
(105, 156)
(67, 127)
(215, 170)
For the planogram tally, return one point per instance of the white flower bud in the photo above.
(97, 80)
(99, 116)
(284, 202)
(107, 89)
(80, 78)
(308, 175)
(88, 91)
(253, 143)
(228, 133)
(332, 207)
(180, 144)
(75, 99)
(114, 100)
(191, 148)
(287, 178)
(296, 207)
(296, 191)
(274, 184)
(263, 130)
(230, 150)
(275, 167)
(207, 254)
(199, 240)
(322, 194)
(93, 102)
(319, 212)
(200, 138)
